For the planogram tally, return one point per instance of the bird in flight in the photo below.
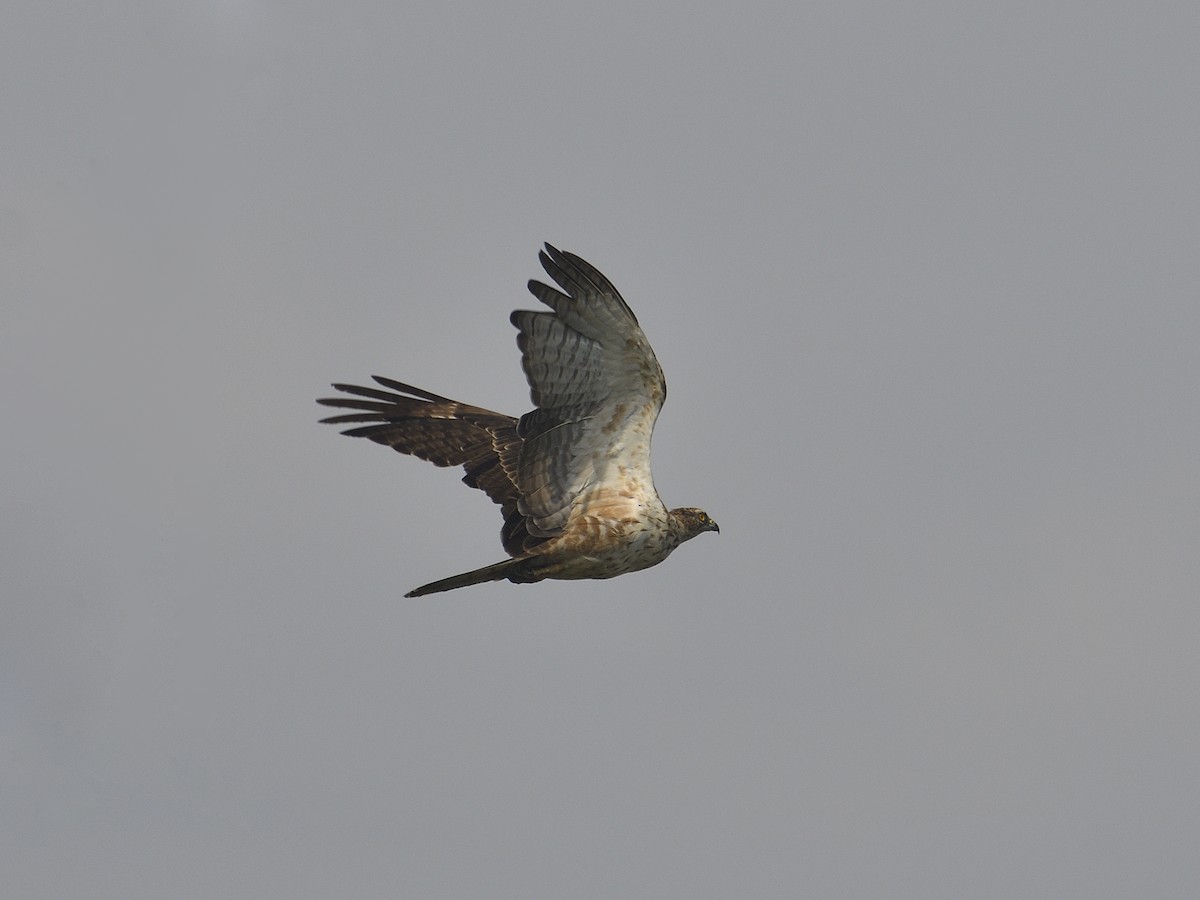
(572, 476)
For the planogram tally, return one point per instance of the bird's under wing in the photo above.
(598, 388)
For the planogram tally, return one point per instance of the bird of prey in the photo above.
(572, 476)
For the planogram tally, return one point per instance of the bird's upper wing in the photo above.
(446, 433)
(438, 429)
(598, 388)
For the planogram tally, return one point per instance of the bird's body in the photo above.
(572, 476)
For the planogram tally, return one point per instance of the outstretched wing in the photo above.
(446, 433)
(438, 429)
(598, 388)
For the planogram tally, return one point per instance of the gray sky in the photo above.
(923, 279)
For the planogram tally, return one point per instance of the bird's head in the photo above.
(691, 522)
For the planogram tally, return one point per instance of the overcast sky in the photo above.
(923, 279)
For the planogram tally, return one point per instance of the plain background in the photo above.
(923, 279)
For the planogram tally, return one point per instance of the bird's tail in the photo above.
(496, 572)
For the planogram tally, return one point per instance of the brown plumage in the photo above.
(572, 476)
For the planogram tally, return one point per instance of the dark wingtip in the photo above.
(552, 258)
